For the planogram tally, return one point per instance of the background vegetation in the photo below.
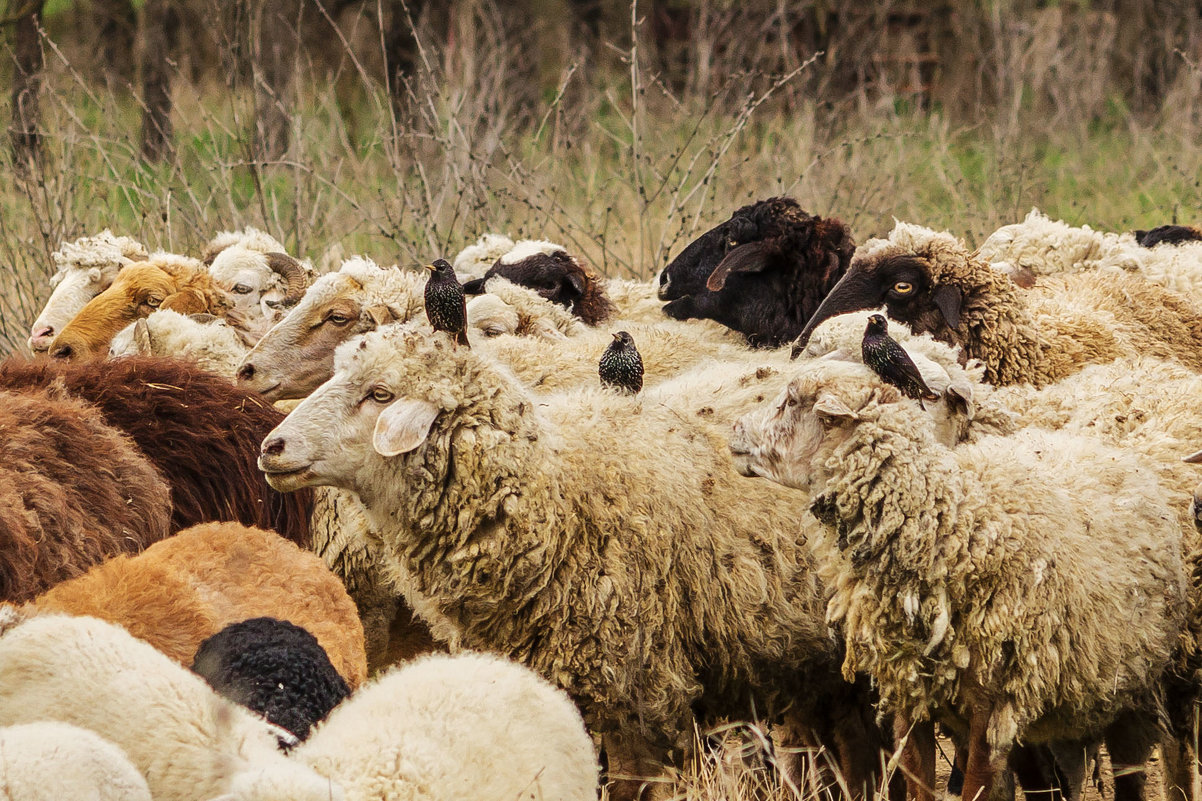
(620, 129)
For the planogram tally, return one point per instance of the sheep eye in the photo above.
(243, 289)
(903, 288)
(381, 395)
(730, 243)
(153, 302)
(338, 319)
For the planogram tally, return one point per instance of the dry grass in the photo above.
(609, 160)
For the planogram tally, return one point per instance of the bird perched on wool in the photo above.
(446, 307)
(621, 367)
(890, 361)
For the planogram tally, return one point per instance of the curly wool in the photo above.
(943, 571)
(445, 728)
(549, 532)
(180, 591)
(214, 345)
(73, 492)
(185, 740)
(274, 668)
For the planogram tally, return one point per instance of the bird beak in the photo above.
(431, 268)
(615, 336)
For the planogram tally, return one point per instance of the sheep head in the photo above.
(398, 398)
(86, 267)
(297, 354)
(260, 285)
(763, 272)
(554, 274)
(164, 282)
(924, 279)
(1168, 235)
(790, 440)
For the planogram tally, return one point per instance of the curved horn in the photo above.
(294, 275)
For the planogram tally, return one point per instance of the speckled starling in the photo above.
(446, 307)
(890, 361)
(621, 366)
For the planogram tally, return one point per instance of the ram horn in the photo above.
(294, 275)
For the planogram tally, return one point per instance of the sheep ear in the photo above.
(142, 337)
(403, 426)
(959, 398)
(576, 280)
(186, 301)
(833, 408)
(948, 299)
(380, 314)
(1193, 458)
(749, 258)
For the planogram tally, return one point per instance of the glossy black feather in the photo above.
(890, 361)
(621, 367)
(446, 305)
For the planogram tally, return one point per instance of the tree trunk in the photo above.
(161, 24)
(274, 68)
(27, 80)
(118, 26)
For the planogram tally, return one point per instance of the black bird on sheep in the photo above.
(890, 361)
(621, 367)
(446, 306)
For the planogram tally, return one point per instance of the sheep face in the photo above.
(905, 283)
(397, 399)
(86, 267)
(789, 440)
(137, 291)
(555, 275)
(73, 288)
(260, 285)
(763, 272)
(297, 354)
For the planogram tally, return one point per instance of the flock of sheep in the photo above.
(476, 572)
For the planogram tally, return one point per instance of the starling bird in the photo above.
(890, 361)
(446, 307)
(621, 366)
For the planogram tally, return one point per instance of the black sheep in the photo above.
(274, 668)
(555, 275)
(1168, 235)
(762, 273)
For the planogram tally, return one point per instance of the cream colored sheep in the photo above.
(48, 761)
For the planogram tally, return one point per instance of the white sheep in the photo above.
(210, 341)
(49, 761)
(189, 743)
(1027, 587)
(474, 260)
(261, 286)
(248, 237)
(445, 728)
(84, 269)
(572, 532)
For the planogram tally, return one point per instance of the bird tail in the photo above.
(461, 338)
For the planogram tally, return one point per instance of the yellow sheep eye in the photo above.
(381, 395)
(153, 302)
(338, 319)
(903, 287)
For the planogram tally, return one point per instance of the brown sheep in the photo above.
(73, 492)
(164, 282)
(201, 432)
(187, 588)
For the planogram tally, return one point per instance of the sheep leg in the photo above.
(1129, 739)
(1037, 771)
(979, 772)
(633, 771)
(1180, 763)
(918, 756)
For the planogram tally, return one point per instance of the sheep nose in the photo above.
(62, 352)
(45, 331)
(246, 372)
(274, 446)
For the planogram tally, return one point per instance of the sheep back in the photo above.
(49, 761)
(198, 430)
(73, 492)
